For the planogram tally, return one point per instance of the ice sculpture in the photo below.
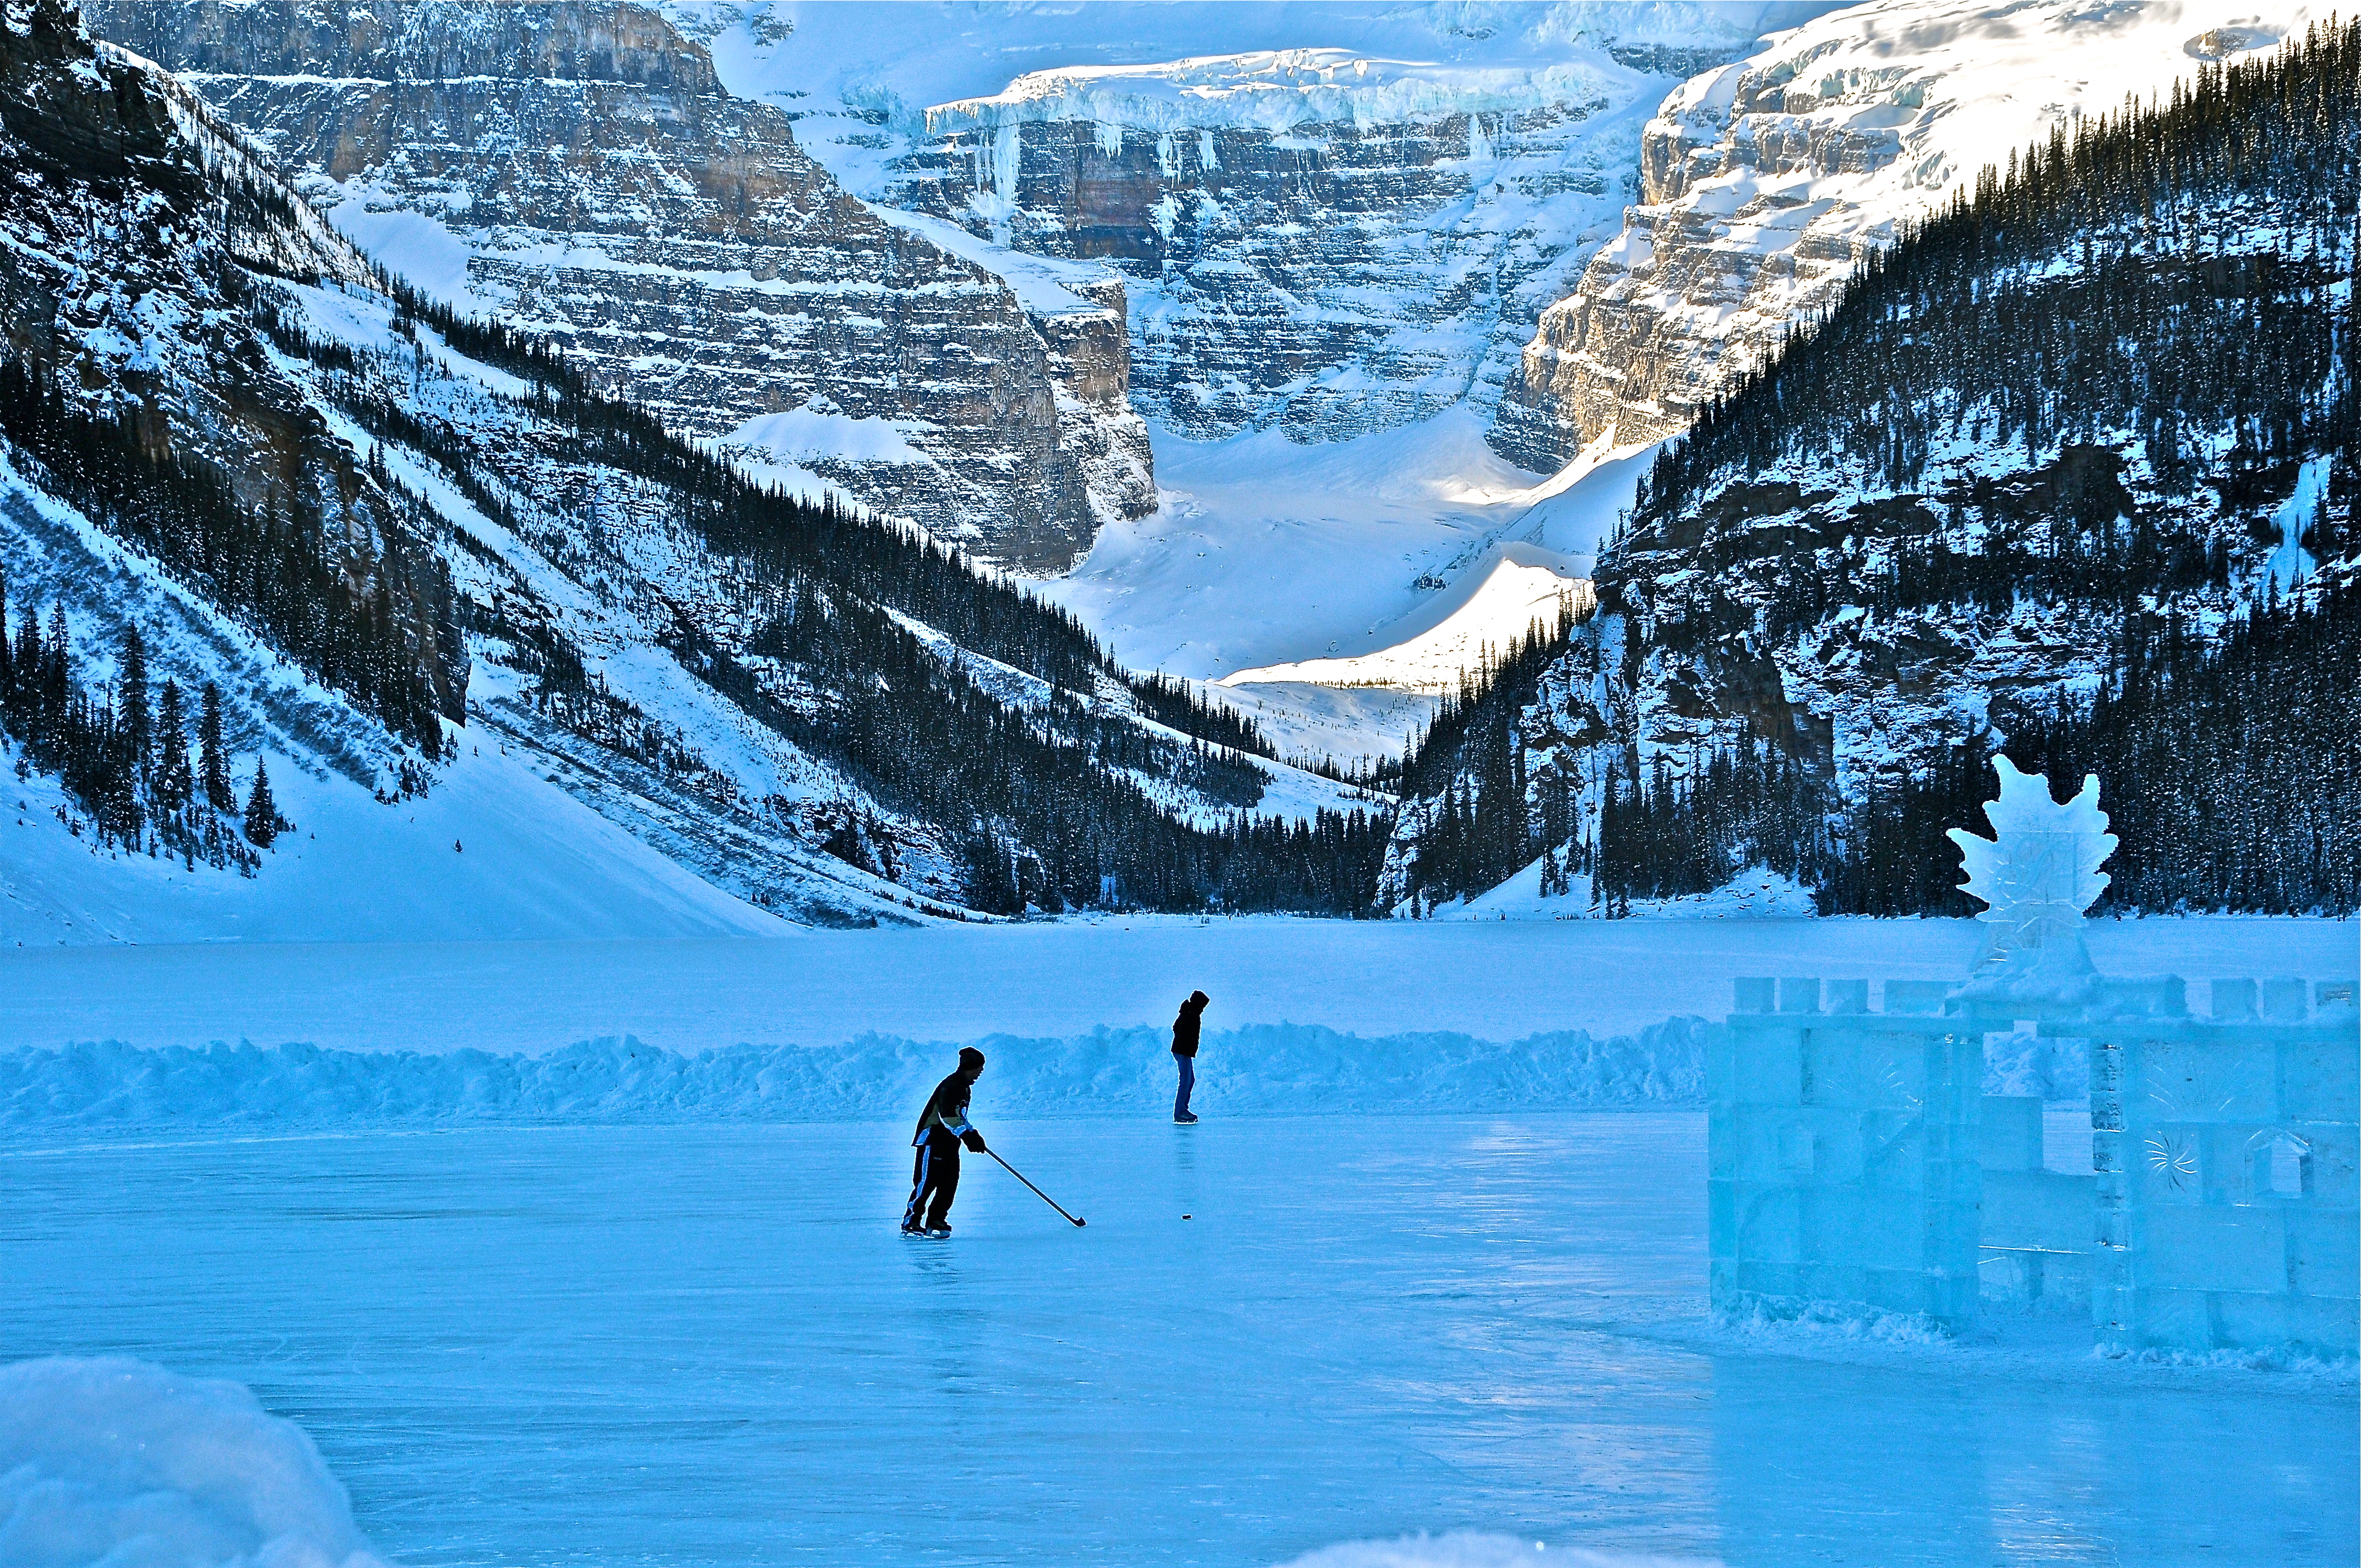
(1853, 1162)
(2035, 875)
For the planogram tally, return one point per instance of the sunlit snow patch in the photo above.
(1467, 1549)
(1472, 626)
(117, 1462)
(820, 430)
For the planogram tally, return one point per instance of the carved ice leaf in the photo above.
(2037, 872)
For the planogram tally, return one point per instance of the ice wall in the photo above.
(2228, 1214)
(1850, 1163)
(1841, 1150)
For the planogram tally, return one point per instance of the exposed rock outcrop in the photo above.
(1765, 183)
(578, 169)
(1312, 239)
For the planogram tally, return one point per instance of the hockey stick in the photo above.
(1037, 1191)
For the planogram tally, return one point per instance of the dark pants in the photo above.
(1188, 1083)
(935, 1176)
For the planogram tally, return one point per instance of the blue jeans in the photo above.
(1188, 1083)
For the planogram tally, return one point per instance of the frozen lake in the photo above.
(706, 1346)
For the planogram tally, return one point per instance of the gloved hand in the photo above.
(974, 1141)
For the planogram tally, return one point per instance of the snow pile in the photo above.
(118, 1463)
(1270, 1069)
(1466, 1549)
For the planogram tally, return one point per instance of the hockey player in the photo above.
(942, 1128)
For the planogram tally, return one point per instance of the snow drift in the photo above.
(1273, 1068)
(117, 1462)
(1268, 1069)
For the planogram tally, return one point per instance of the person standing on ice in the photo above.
(1184, 1051)
(942, 1128)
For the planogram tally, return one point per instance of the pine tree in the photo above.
(172, 784)
(131, 702)
(212, 759)
(263, 822)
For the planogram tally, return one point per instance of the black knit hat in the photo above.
(970, 1056)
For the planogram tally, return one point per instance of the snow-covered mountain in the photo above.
(1328, 219)
(521, 660)
(1764, 183)
(576, 170)
(2071, 471)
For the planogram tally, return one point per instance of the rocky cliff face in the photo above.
(1765, 183)
(576, 170)
(1312, 239)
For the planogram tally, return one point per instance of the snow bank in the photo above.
(1466, 1550)
(118, 1463)
(1272, 1068)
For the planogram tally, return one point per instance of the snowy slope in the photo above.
(1466, 628)
(626, 768)
(491, 851)
(1764, 182)
(1266, 550)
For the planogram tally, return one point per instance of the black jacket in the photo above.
(1184, 1029)
(946, 1110)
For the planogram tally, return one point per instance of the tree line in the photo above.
(152, 775)
(269, 566)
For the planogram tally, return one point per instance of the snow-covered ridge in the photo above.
(1277, 89)
(1330, 217)
(1765, 182)
(1268, 1070)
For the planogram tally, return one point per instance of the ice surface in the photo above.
(643, 1348)
(110, 1461)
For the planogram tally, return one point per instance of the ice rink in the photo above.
(708, 1345)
